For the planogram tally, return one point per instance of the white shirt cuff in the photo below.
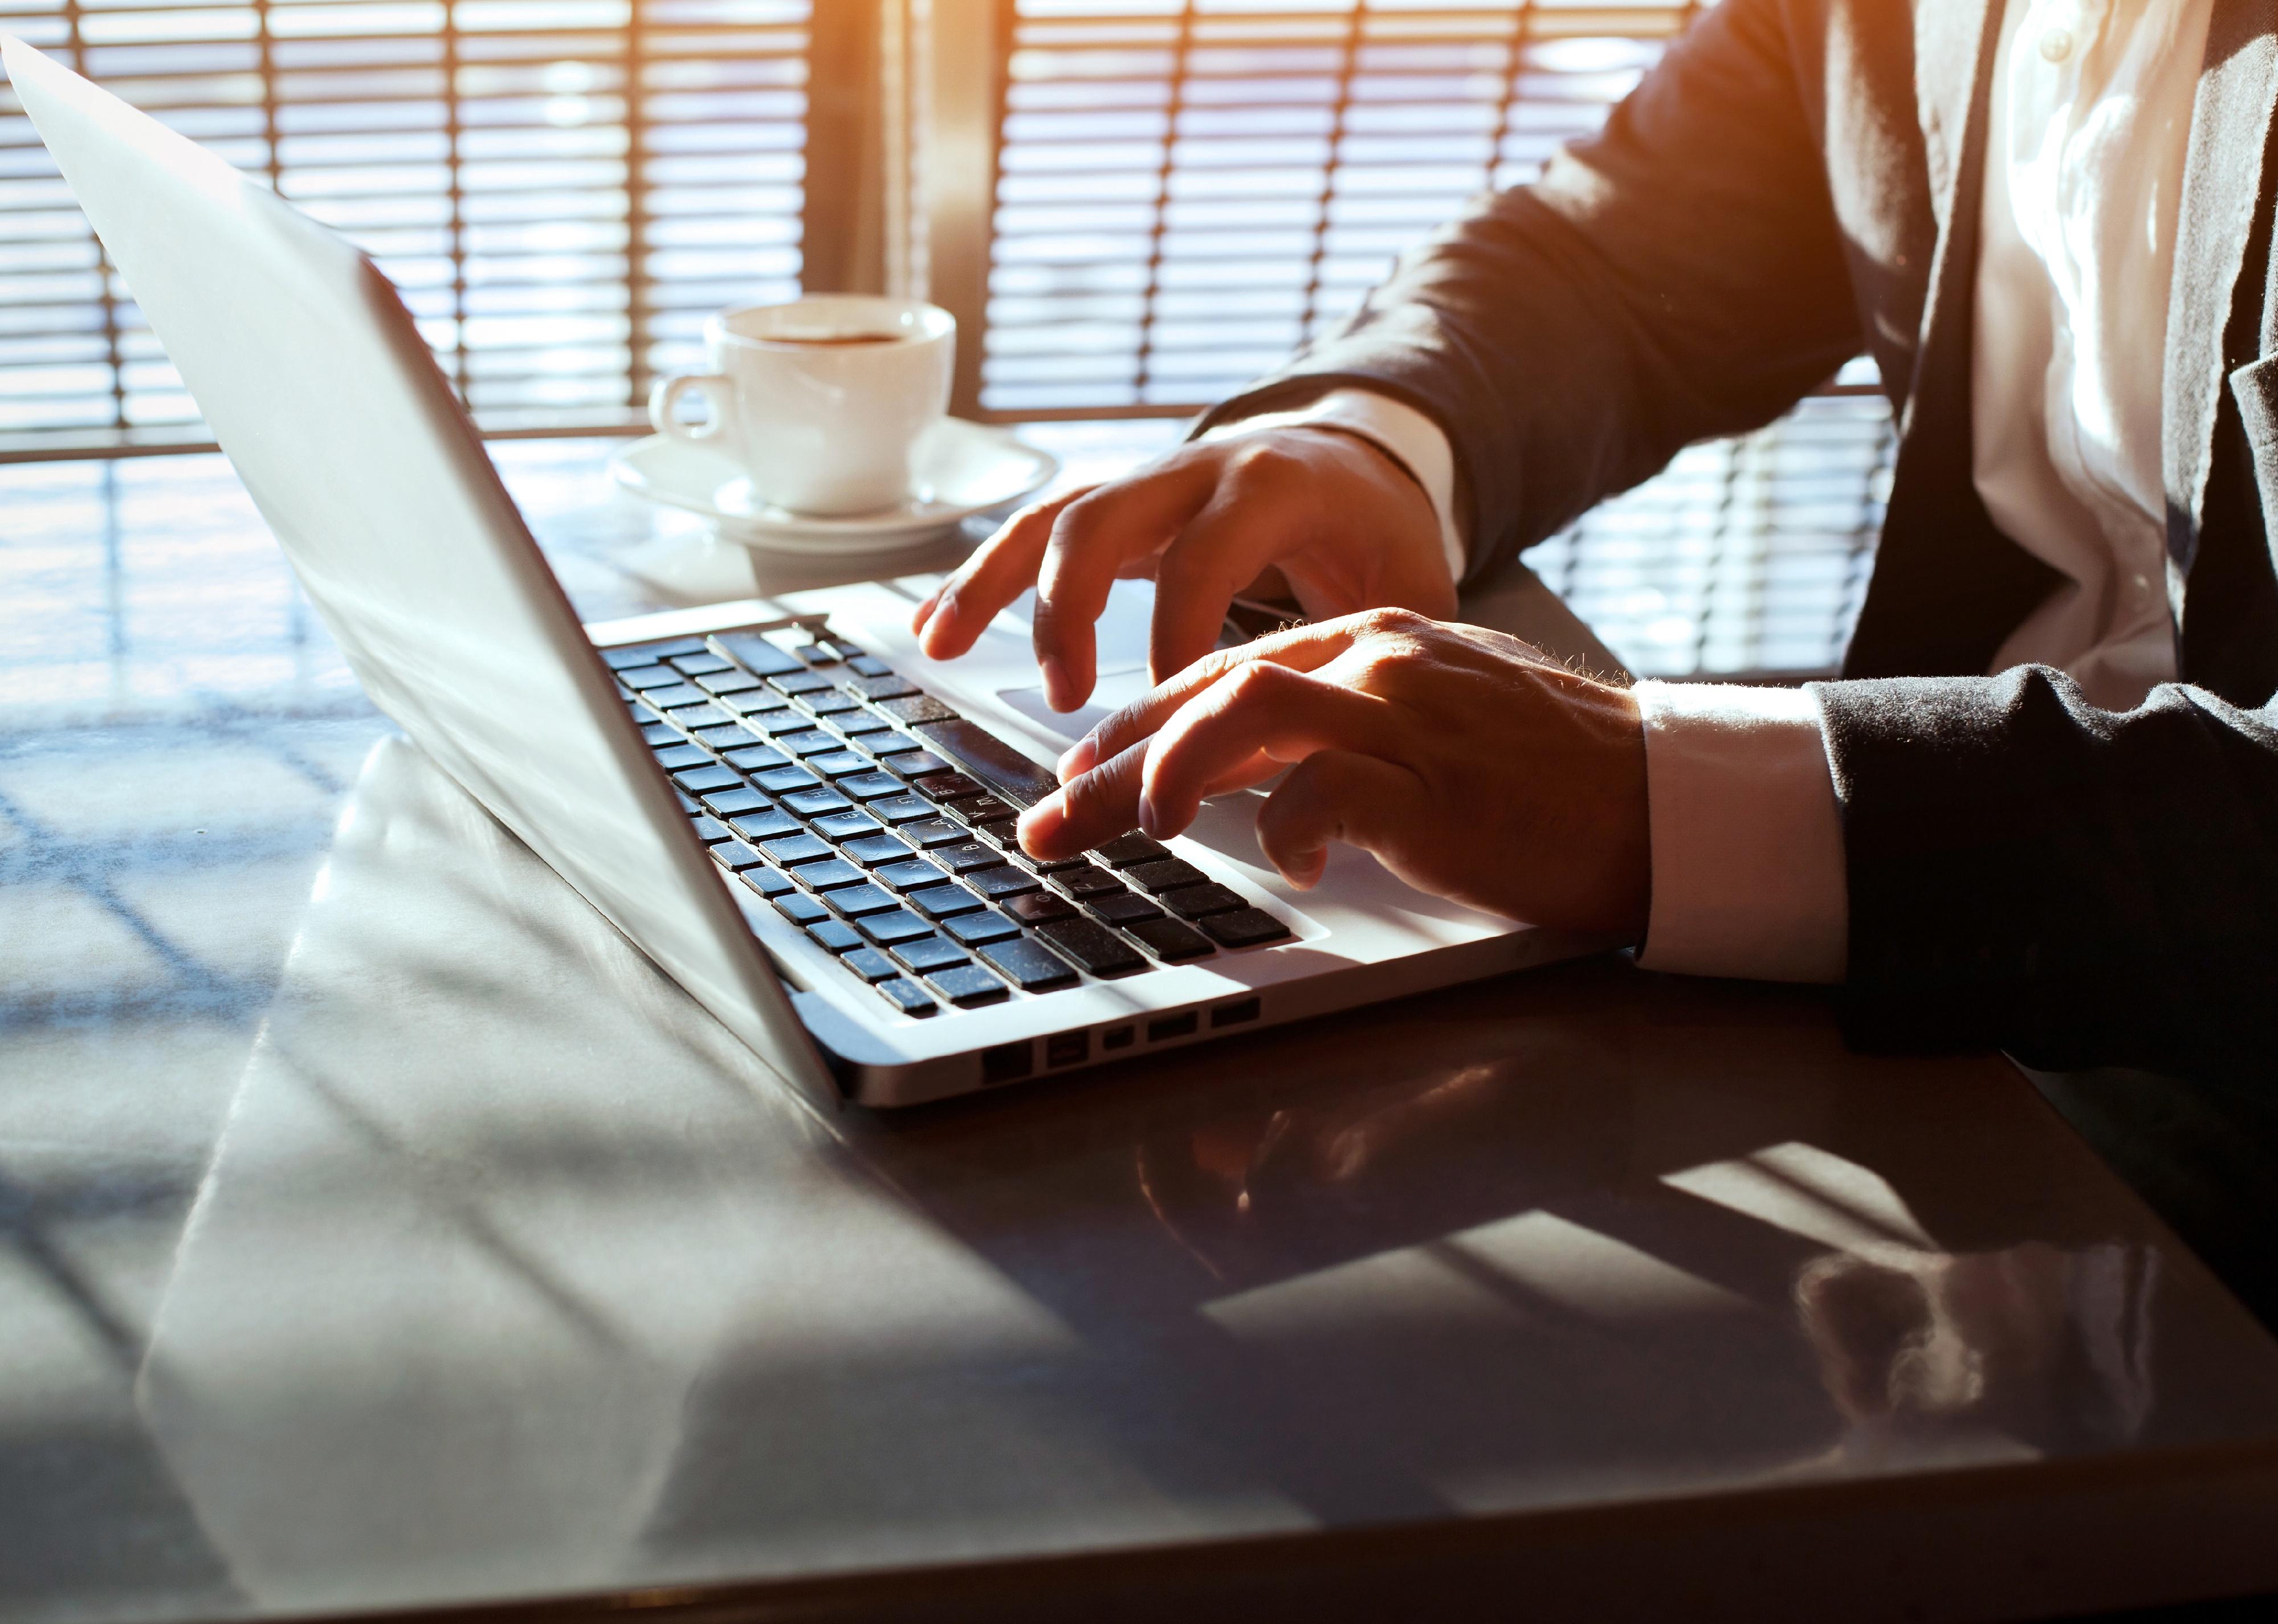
(1747, 839)
(1406, 434)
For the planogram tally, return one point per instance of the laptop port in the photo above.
(1007, 1063)
(1233, 1014)
(1067, 1048)
(1172, 1027)
(1117, 1037)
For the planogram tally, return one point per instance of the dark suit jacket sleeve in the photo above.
(1680, 275)
(2077, 886)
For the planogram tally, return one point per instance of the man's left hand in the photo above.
(1469, 763)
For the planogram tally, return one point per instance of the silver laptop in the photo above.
(801, 820)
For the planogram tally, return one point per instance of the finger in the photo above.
(1337, 794)
(1220, 551)
(949, 622)
(1092, 541)
(1094, 808)
(1304, 648)
(1261, 709)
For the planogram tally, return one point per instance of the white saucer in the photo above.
(961, 469)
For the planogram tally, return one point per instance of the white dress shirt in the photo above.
(2089, 123)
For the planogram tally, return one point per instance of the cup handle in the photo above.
(664, 405)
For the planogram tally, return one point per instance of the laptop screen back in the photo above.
(318, 384)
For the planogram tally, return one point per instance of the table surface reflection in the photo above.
(378, 1229)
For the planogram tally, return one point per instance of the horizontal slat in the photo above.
(560, 188)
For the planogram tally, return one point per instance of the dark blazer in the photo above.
(1798, 180)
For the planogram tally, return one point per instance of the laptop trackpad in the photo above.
(1113, 691)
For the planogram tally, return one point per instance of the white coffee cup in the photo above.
(821, 399)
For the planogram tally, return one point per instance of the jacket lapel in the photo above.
(2230, 128)
(1948, 587)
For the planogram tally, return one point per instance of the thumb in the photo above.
(1337, 795)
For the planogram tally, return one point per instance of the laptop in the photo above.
(798, 816)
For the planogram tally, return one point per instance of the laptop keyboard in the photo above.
(880, 820)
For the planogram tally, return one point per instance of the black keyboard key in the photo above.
(842, 764)
(990, 759)
(815, 802)
(1124, 909)
(1053, 866)
(711, 831)
(792, 849)
(1031, 968)
(828, 875)
(952, 787)
(966, 985)
(818, 653)
(734, 856)
(828, 705)
(701, 664)
(998, 883)
(913, 875)
(900, 809)
(836, 936)
(846, 825)
(1093, 946)
(1164, 874)
(800, 909)
(933, 832)
(1004, 837)
(644, 679)
(755, 758)
(726, 737)
(814, 741)
(964, 858)
(854, 901)
(983, 809)
(874, 786)
(674, 694)
(941, 902)
(916, 708)
(1126, 851)
(710, 776)
(929, 952)
(916, 764)
(767, 881)
(887, 687)
(730, 681)
(869, 665)
(872, 850)
(1088, 881)
(1038, 906)
(973, 929)
(871, 965)
(662, 736)
(772, 824)
(688, 803)
(733, 804)
(683, 756)
(783, 780)
(1244, 928)
(1171, 942)
(754, 652)
(756, 703)
(1195, 901)
(800, 681)
(862, 725)
(696, 718)
(886, 929)
(907, 996)
(631, 659)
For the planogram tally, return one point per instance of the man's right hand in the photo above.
(1343, 524)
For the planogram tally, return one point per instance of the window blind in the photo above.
(1189, 190)
(561, 189)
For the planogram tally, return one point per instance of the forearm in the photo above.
(2077, 886)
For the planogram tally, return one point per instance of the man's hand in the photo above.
(1472, 765)
(1344, 525)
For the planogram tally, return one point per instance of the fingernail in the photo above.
(924, 612)
(1076, 759)
(1147, 816)
(1056, 685)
